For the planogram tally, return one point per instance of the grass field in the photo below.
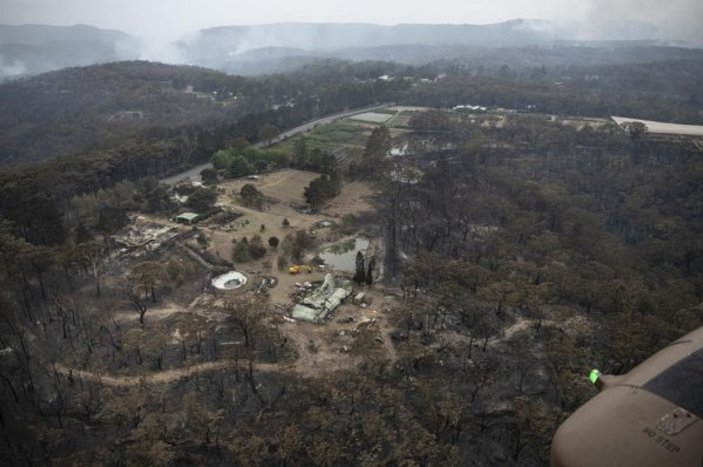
(401, 120)
(285, 186)
(330, 137)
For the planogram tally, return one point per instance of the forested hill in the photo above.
(79, 109)
(93, 127)
(101, 108)
(166, 117)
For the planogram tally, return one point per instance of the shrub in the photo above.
(240, 253)
(251, 196)
(256, 247)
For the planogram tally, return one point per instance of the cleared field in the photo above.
(355, 198)
(285, 186)
(283, 189)
(663, 127)
(372, 117)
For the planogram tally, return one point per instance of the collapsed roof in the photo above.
(322, 301)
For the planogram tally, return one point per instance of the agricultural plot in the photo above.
(372, 117)
(330, 137)
(401, 120)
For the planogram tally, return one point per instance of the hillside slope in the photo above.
(33, 48)
(78, 109)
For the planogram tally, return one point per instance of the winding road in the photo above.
(194, 173)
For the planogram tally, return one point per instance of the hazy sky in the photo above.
(168, 19)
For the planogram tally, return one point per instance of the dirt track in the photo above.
(160, 377)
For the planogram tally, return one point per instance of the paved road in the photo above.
(194, 173)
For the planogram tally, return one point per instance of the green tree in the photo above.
(251, 196)
(374, 161)
(300, 153)
(238, 145)
(273, 242)
(267, 133)
(321, 189)
(240, 253)
(238, 167)
(256, 247)
(379, 142)
(209, 176)
(222, 158)
(158, 199)
(202, 200)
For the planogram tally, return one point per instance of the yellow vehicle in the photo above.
(298, 268)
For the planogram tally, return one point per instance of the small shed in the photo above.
(187, 218)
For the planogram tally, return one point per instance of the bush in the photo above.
(239, 167)
(240, 253)
(251, 196)
(273, 242)
(209, 176)
(202, 200)
(221, 158)
(321, 189)
(256, 247)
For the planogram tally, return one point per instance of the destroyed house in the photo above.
(316, 307)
